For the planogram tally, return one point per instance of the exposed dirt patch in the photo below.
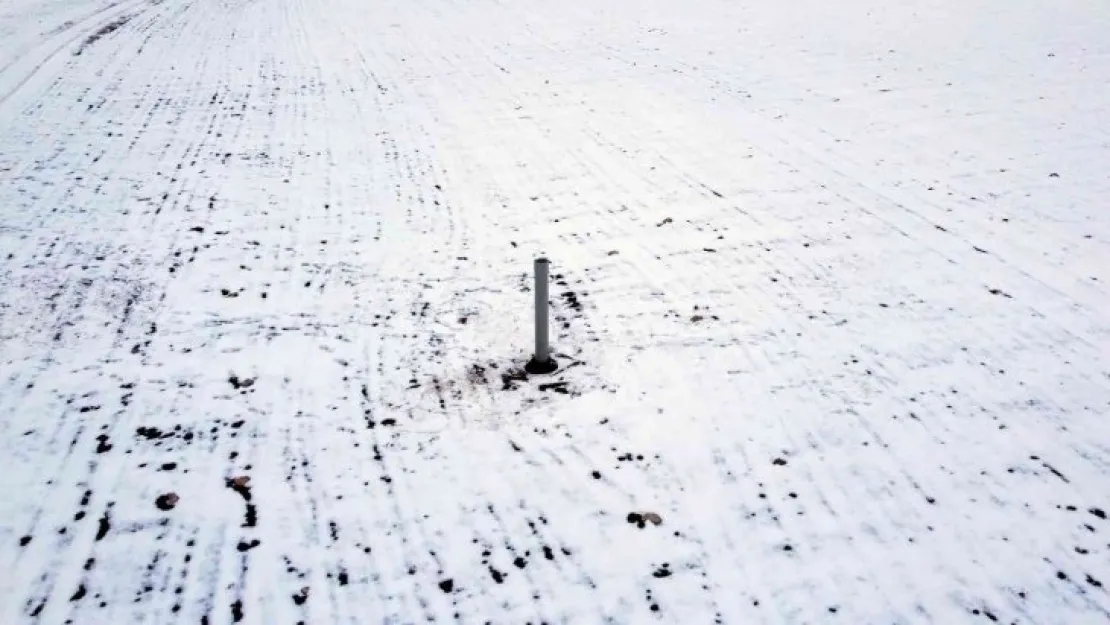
(104, 31)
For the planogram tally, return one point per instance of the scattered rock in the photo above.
(571, 299)
(151, 433)
(247, 546)
(641, 519)
(301, 597)
(167, 501)
(1097, 512)
(103, 525)
(511, 377)
(778, 462)
(497, 576)
(447, 585)
(241, 485)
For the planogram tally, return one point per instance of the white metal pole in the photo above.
(542, 362)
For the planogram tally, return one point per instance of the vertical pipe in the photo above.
(542, 354)
(541, 362)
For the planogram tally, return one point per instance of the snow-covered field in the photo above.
(830, 298)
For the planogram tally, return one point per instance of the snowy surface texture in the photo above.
(830, 297)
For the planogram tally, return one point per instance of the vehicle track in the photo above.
(267, 303)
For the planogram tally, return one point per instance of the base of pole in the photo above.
(535, 367)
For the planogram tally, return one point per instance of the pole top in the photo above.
(542, 259)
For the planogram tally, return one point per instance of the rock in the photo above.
(167, 501)
(652, 518)
(301, 597)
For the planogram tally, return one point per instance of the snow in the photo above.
(829, 297)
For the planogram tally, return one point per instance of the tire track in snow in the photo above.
(316, 213)
(46, 53)
(88, 588)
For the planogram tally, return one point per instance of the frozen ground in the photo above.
(832, 300)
